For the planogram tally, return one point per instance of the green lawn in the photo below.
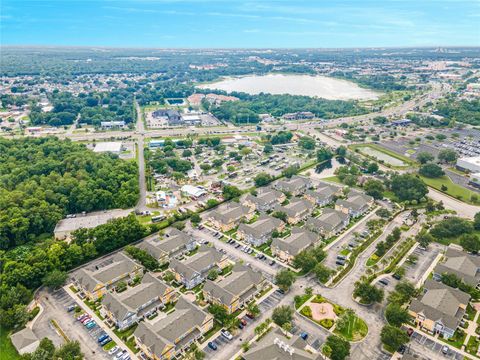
(353, 330)
(408, 161)
(333, 179)
(456, 340)
(472, 345)
(453, 189)
(7, 350)
(125, 334)
(301, 299)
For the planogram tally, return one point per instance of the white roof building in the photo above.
(193, 191)
(111, 146)
(471, 164)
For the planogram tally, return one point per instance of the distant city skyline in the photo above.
(241, 24)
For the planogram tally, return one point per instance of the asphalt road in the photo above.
(142, 201)
(462, 209)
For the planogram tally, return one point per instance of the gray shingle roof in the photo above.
(121, 264)
(265, 196)
(241, 279)
(131, 299)
(269, 348)
(441, 303)
(166, 330)
(197, 263)
(298, 240)
(329, 220)
(264, 226)
(294, 183)
(463, 265)
(23, 338)
(231, 212)
(356, 201)
(167, 245)
(296, 207)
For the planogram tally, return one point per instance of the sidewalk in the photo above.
(99, 322)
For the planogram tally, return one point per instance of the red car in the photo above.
(243, 322)
(84, 320)
(409, 331)
(250, 316)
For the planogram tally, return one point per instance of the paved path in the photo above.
(142, 201)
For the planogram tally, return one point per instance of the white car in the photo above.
(113, 350)
(226, 334)
(120, 354)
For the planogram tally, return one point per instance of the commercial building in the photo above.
(470, 164)
(25, 341)
(113, 147)
(235, 290)
(193, 192)
(170, 336)
(112, 124)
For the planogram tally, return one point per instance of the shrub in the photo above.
(326, 323)
(306, 311)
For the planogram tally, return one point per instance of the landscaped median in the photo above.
(332, 317)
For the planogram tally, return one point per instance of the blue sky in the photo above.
(235, 23)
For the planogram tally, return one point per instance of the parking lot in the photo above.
(427, 346)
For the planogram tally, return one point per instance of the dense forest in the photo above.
(249, 106)
(465, 111)
(42, 180)
(377, 82)
(93, 108)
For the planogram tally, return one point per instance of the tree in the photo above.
(451, 227)
(324, 154)
(379, 120)
(253, 309)
(212, 274)
(448, 156)
(372, 167)
(230, 192)
(268, 148)
(396, 315)
(374, 188)
(195, 219)
(404, 291)
(476, 221)
(341, 151)
(284, 279)
(282, 314)
(408, 187)
(69, 351)
(393, 337)
(431, 170)
(307, 143)
(424, 157)
(383, 213)
(280, 215)
(322, 273)
(470, 243)
(340, 348)
(424, 239)
(142, 256)
(290, 171)
(55, 278)
(219, 313)
(367, 293)
(262, 179)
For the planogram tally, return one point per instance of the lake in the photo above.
(277, 84)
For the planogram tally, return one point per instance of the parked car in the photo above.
(212, 345)
(384, 281)
(240, 326)
(409, 331)
(71, 307)
(243, 322)
(81, 316)
(341, 257)
(445, 349)
(91, 325)
(304, 335)
(106, 341)
(113, 350)
(250, 316)
(340, 262)
(402, 349)
(226, 334)
(271, 263)
(120, 354)
(102, 337)
(85, 319)
(396, 276)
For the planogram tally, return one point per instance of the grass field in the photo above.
(7, 351)
(354, 329)
(454, 190)
(388, 153)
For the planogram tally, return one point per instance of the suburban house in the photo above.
(170, 336)
(94, 283)
(129, 307)
(265, 200)
(329, 223)
(440, 309)
(235, 290)
(323, 195)
(275, 345)
(25, 341)
(260, 231)
(296, 185)
(173, 243)
(297, 210)
(194, 270)
(228, 216)
(355, 205)
(465, 266)
(287, 248)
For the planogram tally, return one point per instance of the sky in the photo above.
(240, 24)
